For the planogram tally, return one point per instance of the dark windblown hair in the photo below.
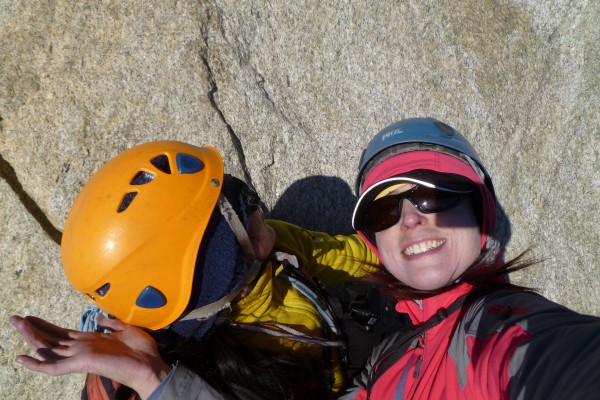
(249, 373)
(242, 371)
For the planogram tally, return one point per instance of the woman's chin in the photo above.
(429, 282)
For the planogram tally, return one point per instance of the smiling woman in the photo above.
(427, 208)
(429, 250)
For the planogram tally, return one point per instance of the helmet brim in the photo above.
(435, 180)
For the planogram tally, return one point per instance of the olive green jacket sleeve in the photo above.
(331, 259)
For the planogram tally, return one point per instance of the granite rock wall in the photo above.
(290, 92)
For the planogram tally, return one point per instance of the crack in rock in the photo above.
(261, 84)
(237, 143)
(7, 172)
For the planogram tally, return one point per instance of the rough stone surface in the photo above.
(290, 92)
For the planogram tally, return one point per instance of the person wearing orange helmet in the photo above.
(160, 238)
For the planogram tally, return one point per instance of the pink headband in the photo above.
(430, 160)
(433, 161)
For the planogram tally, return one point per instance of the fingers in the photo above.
(29, 333)
(54, 368)
(43, 345)
(49, 329)
(15, 319)
(34, 327)
(111, 323)
(60, 351)
(28, 362)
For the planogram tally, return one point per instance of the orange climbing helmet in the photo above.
(131, 239)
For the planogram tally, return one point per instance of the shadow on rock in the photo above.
(325, 204)
(319, 203)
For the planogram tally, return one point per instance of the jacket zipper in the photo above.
(420, 345)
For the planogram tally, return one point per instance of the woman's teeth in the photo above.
(422, 247)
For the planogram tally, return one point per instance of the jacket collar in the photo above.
(421, 310)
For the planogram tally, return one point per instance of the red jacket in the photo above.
(504, 345)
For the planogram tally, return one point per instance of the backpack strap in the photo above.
(294, 273)
(398, 348)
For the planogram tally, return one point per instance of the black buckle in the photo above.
(441, 314)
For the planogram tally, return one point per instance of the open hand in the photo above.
(128, 355)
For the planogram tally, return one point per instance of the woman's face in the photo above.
(429, 251)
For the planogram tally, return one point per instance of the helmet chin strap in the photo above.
(252, 264)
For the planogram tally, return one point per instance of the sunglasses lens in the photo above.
(383, 213)
(432, 201)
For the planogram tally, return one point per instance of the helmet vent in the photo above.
(151, 297)
(103, 290)
(444, 128)
(162, 163)
(126, 201)
(187, 164)
(142, 177)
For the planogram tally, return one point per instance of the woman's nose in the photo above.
(410, 215)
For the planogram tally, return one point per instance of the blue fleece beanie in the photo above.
(220, 265)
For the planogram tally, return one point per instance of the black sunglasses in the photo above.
(385, 212)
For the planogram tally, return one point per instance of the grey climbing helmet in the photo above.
(418, 134)
(404, 147)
